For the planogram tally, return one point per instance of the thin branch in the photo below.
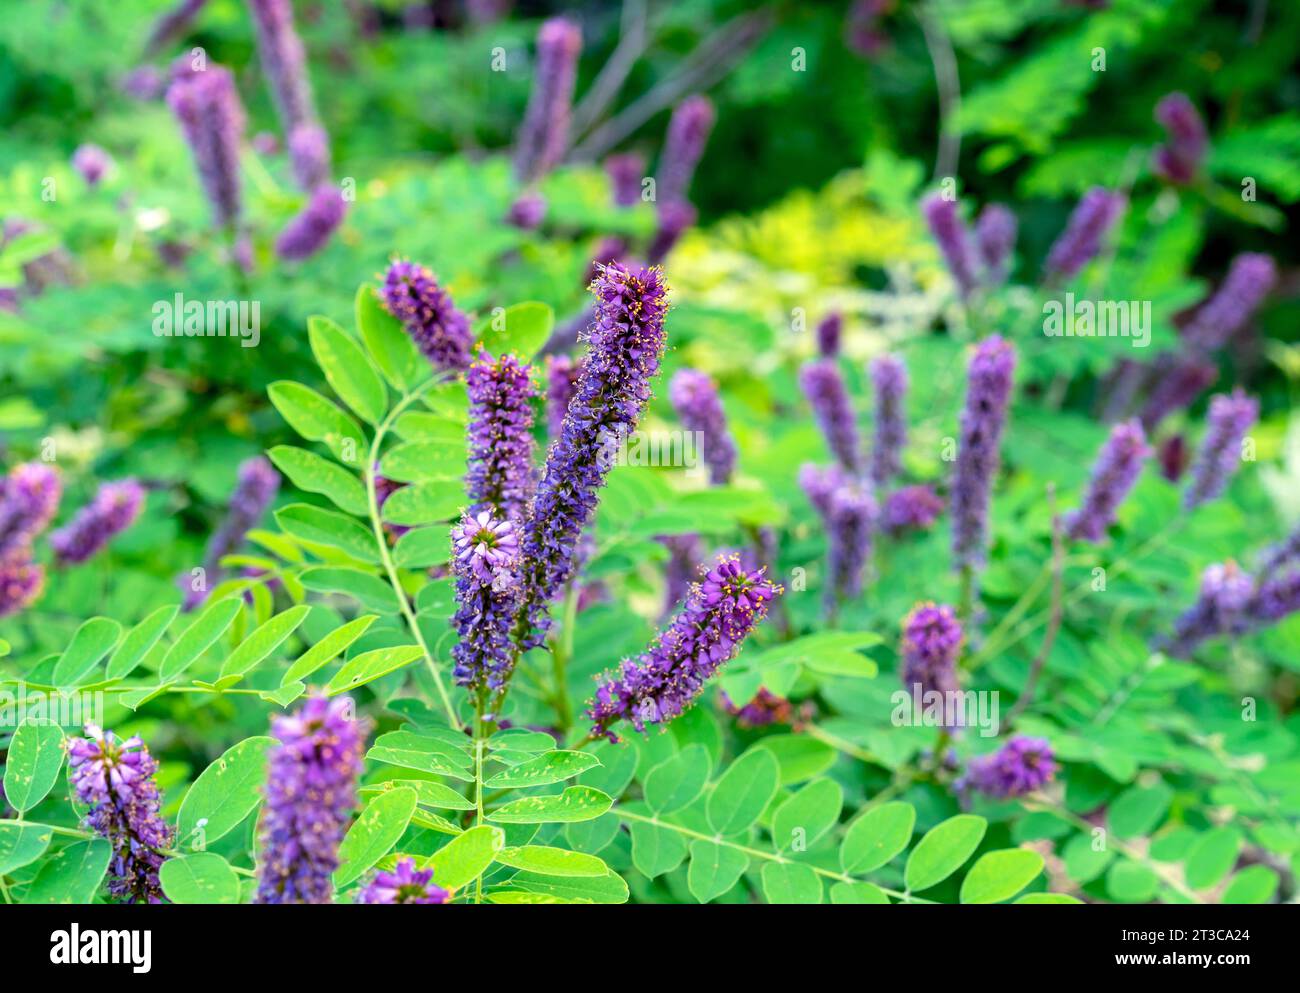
(948, 84)
(1054, 618)
(632, 41)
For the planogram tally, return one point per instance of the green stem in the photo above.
(842, 745)
(561, 652)
(478, 782)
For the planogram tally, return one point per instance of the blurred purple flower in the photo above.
(688, 132)
(954, 240)
(309, 155)
(544, 135)
(92, 162)
(983, 419)
(1178, 383)
(676, 217)
(562, 372)
(441, 331)
(1180, 158)
(911, 508)
(256, 486)
(1231, 416)
(1019, 767)
(626, 172)
(1250, 278)
(1078, 244)
(829, 330)
(1117, 468)
(113, 510)
(212, 119)
(283, 61)
(932, 640)
(695, 397)
(824, 387)
(311, 228)
(889, 377)
(29, 499)
(527, 211)
(995, 238)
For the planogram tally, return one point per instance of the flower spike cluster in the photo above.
(912, 508)
(829, 332)
(310, 229)
(889, 376)
(544, 135)
(1179, 159)
(1231, 416)
(850, 521)
(405, 884)
(1019, 767)
(988, 392)
(213, 120)
(441, 331)
(688, 133)
(257, 485)
(932, 639)
(995, 238)
(1117, 468)
(485, 556)
(694, 395)
(29, 498)
(1081, 240)
(1250, 278)
(500, 475)
(114, 509)
(954, 240)
(824, 387)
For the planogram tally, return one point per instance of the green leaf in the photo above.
(714, 869)
(310, 472)
(801, 821)
(521, 740)
(425, 503)
(328, 527)
(32, 767)
(576, 803)
(876, 837)
(318, 419)
(422, 547)
(799, 756)
(21, 844)
(374, 833)
(92, 641)
(675, 782)
(552, 861)
(1138, 810)
(858, 893)
(389, 344)
(369, 666)
(656, 849)
(262, 642)
(427, 792)
(522, 329)
(1047, 898)
(1254, 884)
(743, 792)
(1212, 857)
(347, 369)
(326, 649)
(201, 635)
(70, 875)
(414, 751)
(465, 857)
(224, 794)
(550, 767)
(1000, 875)
(607, 889)
(138, 641)
(424, 461)
(943, 850)
(370, 591)
(1131, 882)
(199, 878)
(789, 883)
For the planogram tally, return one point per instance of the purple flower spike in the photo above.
(1020, 766)
(257, 485)
(500, 474)
(92, 162)
(311, 790)
(820, 482)
(311, 228)
(667, 678)
(849, 524)
(912, 508)
(1285, 552)
(1179, 383)
(309, 155)
(695, 398)
(1081, 240)
(544, 136)
(21, 581)
(1250, 278)
(115, 779)
(528, 211)
(949, 231)
(283, 61)
(932, 640)
(405, 884)
(562, 374)
(29, 498)
(824, 387)
(439, 329)
(688, 133)
(988, 392)
(675, 218)
(626, 172)
(889, 376)
(626, 343)
(1231, 416)
(212, 119)
(1223, 607)
(1116, 470)
(1180, 158)
(995, 237)
(114, 509)
(485, 551)
(829, 331)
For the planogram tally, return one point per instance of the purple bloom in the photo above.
(283, 62)
(486, 557)
(694, 395)
(684, 554)
(1116, 470)
(932, 640)
(688, 133)
(562, 374)
(309, 155)
(862, 31)
(1179, 159)
(889, 376)
(544, 135)
(1178, 383)
(1020, 766)
(310, 229)
(500, 474)
(439, 329)
(995, 238)
(1173, 456)
(114, 509)
(663, 681)
(257, 486)
(143, 83)
(988, 391)
(610, 249)
(116, 780)
(850, 519)
(265, 143)
(764, 709)
(1276, 556)
(212, 119)
(29, 498)
(173, 23)
(824, 387)
(911, 508)
(949, 230)
(675, 217)
(528, 211)
(820, 482)
(1231, 416)
(1275, 599)
(310, 793)
(1249, 279)
(21, 580)
(1222, 607)
(829, 330)
(92, 162)
(626, 343)
(405, 884)
(1081, 240)
(626, 171)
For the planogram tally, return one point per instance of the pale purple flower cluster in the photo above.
(850, 521)
(764, 709)
(173, 23)
(1250, 278)
(1180, 158)
(1285, 552)
(283, 61)
(1224, 606)
(995, 239)
(562, 372)
(113, 510)
(255, 488)
(988, 393)
(440, 330)
(309, 155)
(820, 482)
(115, 779)
(824, 387)
(1117, 468)
(485, 554)
(544, 135)
(311, 785)
(527, 211)
(911, 508)
(405, 884)
(626, 172)
(669, 676)
(21, 582)
(500, 476)
(694, 396)
(1019, 767)
(932, 640)
(889, 377)
(212, 119)
(1178, 383)
(1231, 416)
(310, 229)
(29, 498)
(92, 162)
(829, 331)
(949, 231)
(1079, 243)
(688, 132)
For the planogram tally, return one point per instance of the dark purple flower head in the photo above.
(688, 133)
(695, 398)
(626, 343)
(311, 785)
(1180, 158)
(92, 162)
(1116, 470)
(405, 884)
(562, 372)
(309, 155)
(212, 119)
(764, 709)
(669, 676)
(626, 172)
(829, 330)
(114, 509)
(1081, 240)
(29, 498)
(1020, 766)
(311, 228)
(862, 28)
(1178, 383)
(1231, 416)
(995, 237)
(115, 779)
(850, 520)
(820, 482)
(988, 392)
(911, 508)
(21, 580)
(500, 473)
(544, 135)
(1222, 607)
(932, 640)
(439, 329)
(1173, 456)
(889, 377)
(1250, 278)
(256, 487)
(527, 211)
(485, 552)
(954, 240)
(824, 387)
(675, 218)
(283, 61)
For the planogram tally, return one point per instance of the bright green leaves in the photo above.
(576, 803)
(21, 844)
(388, 343)
(199, 878)
(328, 527)
(714, 869)
(424, 461)
(369, 666)
(326, 649)
(802, 820)
(876, 837)
(348, 369)
(552, 861)
(521, 329)
(422, 752)
(224, 794)
(466, 856)
(943, 850)
(788, 882)
(138, 641)
(550, 767)
(33, 763)
(318, 419)
(676, 782)
(262, 642)
(92, 641)
(70, 875)
(374, 833)
(1139, 810)
(201, 635)
(999, 876)
(743, 792)
(309, 471)
(1212, 857)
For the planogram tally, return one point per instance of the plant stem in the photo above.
(1054, 621)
